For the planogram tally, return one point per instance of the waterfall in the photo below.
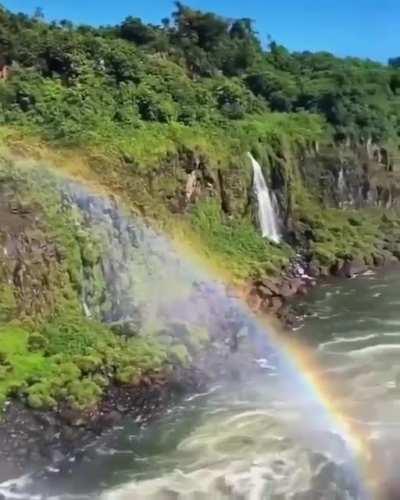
(341, 181)
(139, 282)
(341, 186)
(266, 213)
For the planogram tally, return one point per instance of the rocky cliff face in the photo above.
(337, 177)
(321, 195)
(353, 178)
(93, 302)
(31, 265)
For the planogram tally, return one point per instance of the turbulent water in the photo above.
(262, 431)
(265, 437)
(258, 440)
(266, 212)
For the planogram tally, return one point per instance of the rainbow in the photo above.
(300, 360)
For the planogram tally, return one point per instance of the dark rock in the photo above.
(109, 419)
(390, 490)
(254, 301)
(290, 288)
(264, 291)
(303, 289)
(351, 268)
(275, 304)
(313, 269)
(379, 260)
(56, 456)
(270, 285)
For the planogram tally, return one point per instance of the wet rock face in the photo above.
(30, 439)
(30, 265)
(351, 178)
(349, 269)
(271, 296)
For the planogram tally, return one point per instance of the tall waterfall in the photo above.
(341, 181)
(266, 213)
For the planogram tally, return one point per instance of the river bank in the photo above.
(264, 444)
(47, 443)
(66, 249)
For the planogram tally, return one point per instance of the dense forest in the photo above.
(81, 83)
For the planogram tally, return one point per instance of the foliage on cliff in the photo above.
(82, 83)
(189, 96)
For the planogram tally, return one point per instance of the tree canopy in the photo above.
(193, 67)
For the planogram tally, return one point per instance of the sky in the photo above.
(362, 28)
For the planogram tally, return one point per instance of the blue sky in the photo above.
(364, 28)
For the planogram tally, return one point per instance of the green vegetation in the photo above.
(50, 353)
(238, 242)
(142, 104)
(72, 360)
(81, 84)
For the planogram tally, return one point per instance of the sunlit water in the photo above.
(261, 431)
(266, 212)
(263, 438)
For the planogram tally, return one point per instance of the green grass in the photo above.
(73, 359)
(147, 145)
(18, 365)
(237, 243)
(346, 234)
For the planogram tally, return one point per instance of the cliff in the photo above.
(126, 184)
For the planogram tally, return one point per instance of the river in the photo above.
(263, 436)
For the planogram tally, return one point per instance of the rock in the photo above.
(110, 419)
(254, 301)
(56, 456)
(288, 317)
(324, 272)
(313, 269)
(289, 288)
(275, 303)
(264, 291)
(379, 260)
(390, 489)
(303, 289)
(127, 328)
(270, 285)
(349, 268)
(296, 284)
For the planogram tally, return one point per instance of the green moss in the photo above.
(128, 375)
(199, 337)
(8, 303)
(39, 397)
(89, 363)
(70, 360)
(237, 243)
(179, 354)
(23, 366)
(83, 393)
(37, 342)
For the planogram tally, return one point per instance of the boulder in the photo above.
(353, 268)
(275, 303)
(270, 285)
(264, 291)
(254, 301)
(313, 269)
(379, 260)
(290, 288)
(350, 268)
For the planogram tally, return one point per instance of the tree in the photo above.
(394, 62)
(134, 30)
(38, 14)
